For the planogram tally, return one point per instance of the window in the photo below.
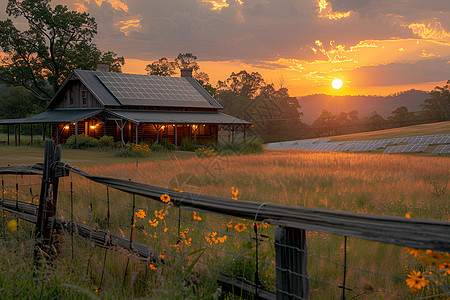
(204, 130)
(71, 97)
(84, 96)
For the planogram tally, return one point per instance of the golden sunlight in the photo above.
(337, 84)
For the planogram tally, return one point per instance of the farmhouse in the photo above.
(132, 108)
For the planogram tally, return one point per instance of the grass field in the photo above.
(417, 130)
(363, 183)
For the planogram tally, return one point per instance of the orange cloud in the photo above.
(116, 4)
(128, 26)
(217, 5)
(326, 11)
(430, 31)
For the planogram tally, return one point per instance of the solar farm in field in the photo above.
(415, 144)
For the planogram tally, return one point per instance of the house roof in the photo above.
(121, 89)
(174, 117)
(55, 116)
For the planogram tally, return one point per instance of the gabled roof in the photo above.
(120, 89)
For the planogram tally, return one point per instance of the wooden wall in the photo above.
(75, 88)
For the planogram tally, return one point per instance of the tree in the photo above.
(187, 61)
(161, 67)
(18, 103)
(401, 116)
(56, 42)
(244, 84)
(437, 107)
(325, 124)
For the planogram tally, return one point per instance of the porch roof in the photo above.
(176, 117)
(55, 116)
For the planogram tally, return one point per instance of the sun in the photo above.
(337, 84)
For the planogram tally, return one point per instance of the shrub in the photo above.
(84, 142)
(187, 145)
(106, 141)
(167, 145)
(133, 150)
(202, 152)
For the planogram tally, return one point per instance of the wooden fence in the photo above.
(290, 239)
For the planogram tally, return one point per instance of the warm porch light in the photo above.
(66, 127)
(194, 127)
(92, 127)
(162, 127)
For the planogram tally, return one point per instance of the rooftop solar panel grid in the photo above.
(133, 89)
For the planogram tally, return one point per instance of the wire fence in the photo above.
(156, 228)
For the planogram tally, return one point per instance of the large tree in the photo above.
(56, 42)
(161, 67)
(244, 84)
(437, 107)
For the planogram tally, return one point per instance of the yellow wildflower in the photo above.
(153, 223)
(414, 252)
(166, 229)
(165, 198)
(416, 281)
(140, 214)
(222, 239)
(229, 225)
(240, 227)
(432, 257)
(197, 217)
(235, 192)
(12, 225)
(408, 216)
(161, 214)
(176, 246)
(188, 241)
(152, 267)
(162, 255)
(446, 267)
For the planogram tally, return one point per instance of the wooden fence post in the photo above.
(291, 263)
(48, 196)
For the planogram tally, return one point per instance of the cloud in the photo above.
(401, 73)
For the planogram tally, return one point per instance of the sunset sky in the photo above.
(375, 47)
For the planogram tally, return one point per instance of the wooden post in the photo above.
(31, 133)
(291, 263)
(176, 135)
(8, 133)
(76, 134)
(43, 131)
(137, 133)
(48, 196)
(19, 133)
(57, 134)
(15, 135)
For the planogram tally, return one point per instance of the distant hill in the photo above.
(312, 105)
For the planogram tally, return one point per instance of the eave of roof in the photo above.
(175, 117)
(55, 116)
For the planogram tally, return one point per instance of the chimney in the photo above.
(103, 68)
(186, 72)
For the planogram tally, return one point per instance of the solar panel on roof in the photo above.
(146, 90)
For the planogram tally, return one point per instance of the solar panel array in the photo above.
(146, 90)
(408, 144)
(442, 149)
